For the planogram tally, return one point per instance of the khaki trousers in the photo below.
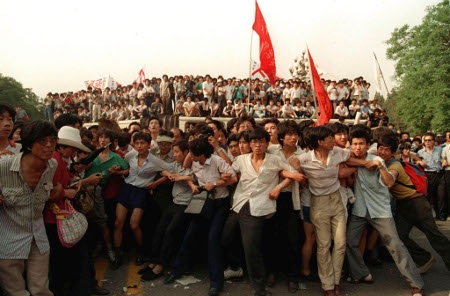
(328, 217)
(36, 267)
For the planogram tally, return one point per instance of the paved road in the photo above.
(388, 281)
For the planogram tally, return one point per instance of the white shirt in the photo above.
(255, 188)
(323, 178)
(208, 86)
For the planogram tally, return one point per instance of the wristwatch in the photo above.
(215, 184)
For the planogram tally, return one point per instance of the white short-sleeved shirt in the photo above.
(255, 188)
(323, 179)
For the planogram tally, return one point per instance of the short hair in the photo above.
(379, 132)
(246, 117)
(155, 118)
(182, 144)
(95, 126)
(259, 133)
(244, 135)
(10, 109)
(232, 137)
(404, 145)
(389, 141)
(338, 127)
(201, 146)
(123, 139)
(142, 136)
(429, 134)
(33, 131)
(67, 119)
(287, 127)
(231, 123)
(316, 134)
(84, 132)
(203, 129)
(270, 120)
(359, 134)
(112, 135)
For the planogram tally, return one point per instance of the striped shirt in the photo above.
(21, 213)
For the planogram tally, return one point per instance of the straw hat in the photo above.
(70, 136)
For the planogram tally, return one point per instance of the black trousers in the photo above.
(436, 193)
(417, 212)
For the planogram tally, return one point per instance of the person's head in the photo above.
(39, 137)
(259, 140)
(86, 135)
(15, 133)
(244, 142)
(387, 146)
(232, 125)
(378, 133)
(123, 140)
(288, 133)
(178, 134)
(165, 140)
(69, 142)
(154, 125)
(7, 118)
(233, 145)
(141, 142)
(405, 148)
(340, 133)
(200, 149)
(134, 126)
(68, 119)
(271, 126)
(180, 150)
(404, 136)
(428, 139)
(360, 141)
(307, 104)
(106, 136)
(202, 129)
(365, 102)
(245, 123)
(320, 136)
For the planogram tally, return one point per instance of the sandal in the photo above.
(364, 280)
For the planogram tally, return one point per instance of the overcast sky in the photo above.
(50, 45)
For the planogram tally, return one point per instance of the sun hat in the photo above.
(164, 138)
(70, 136)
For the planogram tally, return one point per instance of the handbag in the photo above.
(84, 199)
(197, 204)
(71, 225)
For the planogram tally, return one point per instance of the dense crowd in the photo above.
(215, 97)
(243, 193)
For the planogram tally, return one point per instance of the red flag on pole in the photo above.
(141, 76)
(326, 110)
(266, 53)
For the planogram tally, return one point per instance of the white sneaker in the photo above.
(230, 273)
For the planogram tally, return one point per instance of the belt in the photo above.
(415, 195)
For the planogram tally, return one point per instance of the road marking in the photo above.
(134, 284)
(101, 265)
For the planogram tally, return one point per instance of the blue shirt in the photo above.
(140, 176)
(432, 159)
(372, 195)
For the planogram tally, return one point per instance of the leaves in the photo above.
(13, 93)
(422, 56)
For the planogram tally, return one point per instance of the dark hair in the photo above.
(338, 127)
(380, 132)
(270, 120)
(154, 118)
(259, 133)
(404, 145)
(123, 139)
(89, 145)
(316, 134)
(16, 127)
(33, 131)
(95, 126)
(245, 135)
(232, 137)
(246, 117)
(203, 129)
(142, 136)
(287, 127)
(67, 119)
(201, 146)
(389, 141)
(10, 109)
(429, 134)
(359, 134)
(84, 132)
(232, 122)
(182, 144)
(112, 135)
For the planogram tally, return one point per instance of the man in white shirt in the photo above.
(288, 110)
(208, 88)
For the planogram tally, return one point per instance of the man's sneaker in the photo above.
(230, 273)
(424, 268)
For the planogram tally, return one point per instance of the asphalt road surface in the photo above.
(388, 281)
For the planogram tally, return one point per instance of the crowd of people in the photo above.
(215, 97)
(242, 193)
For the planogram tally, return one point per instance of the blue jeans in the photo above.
(215, 260)
(48, 113)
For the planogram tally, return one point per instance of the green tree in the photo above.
(422, 70)
(13, 93)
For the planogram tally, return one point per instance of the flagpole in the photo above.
(312, 82)
(250, 71)
(387, 91)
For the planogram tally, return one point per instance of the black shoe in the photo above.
(139, 260)
(213, 292)
(99, 291)
(144, 270)
(293, 287)
(311, 277)
(171, 278)
(116, 264)
(150, 276)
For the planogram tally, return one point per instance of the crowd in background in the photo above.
(265, 184)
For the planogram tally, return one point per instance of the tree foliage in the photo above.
(13, 93)
(422, 70)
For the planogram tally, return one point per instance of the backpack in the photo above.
(417, 176)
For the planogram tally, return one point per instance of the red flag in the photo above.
(141, 76)
(266, 53)
(326, 110)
